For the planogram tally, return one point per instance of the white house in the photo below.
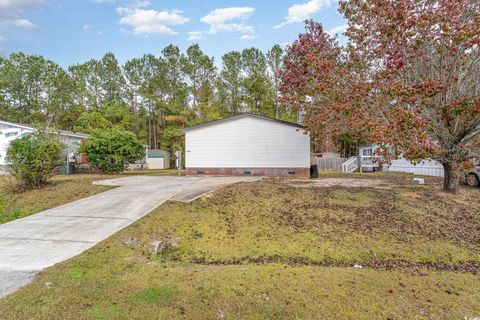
(365, 162)
(10, 131)
(247, 144)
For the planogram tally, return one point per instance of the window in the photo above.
(291, 173)
(11, 134)
(367, 152)
(247, 173)
(200, 172)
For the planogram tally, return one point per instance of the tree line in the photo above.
(154, 97)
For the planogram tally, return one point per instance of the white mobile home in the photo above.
(10, 131)
(247, 144)
(365, 162)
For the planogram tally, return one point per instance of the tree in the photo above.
(35, 157)
(318, 81)
(230, 83)
(423, 59)
(407, 80)
(258, 93)
(275, 63)
(112, 150)
(200, 72)
(89, 122)
(33, 89)
(98, 82)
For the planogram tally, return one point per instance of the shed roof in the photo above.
(240, 116)
(60, 132)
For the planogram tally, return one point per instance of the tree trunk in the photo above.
(450, 177)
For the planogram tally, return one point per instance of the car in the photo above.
(472, 177)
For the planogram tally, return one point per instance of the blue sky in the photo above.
(73, 31)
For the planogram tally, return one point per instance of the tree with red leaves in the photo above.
(408, 78)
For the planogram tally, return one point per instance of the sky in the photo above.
(74, 31)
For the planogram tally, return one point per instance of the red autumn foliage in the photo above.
(408, 78)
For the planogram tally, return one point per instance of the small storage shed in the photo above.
(158, 159)
(247, 144)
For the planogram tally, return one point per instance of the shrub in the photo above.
(113, 149)
(34, 158)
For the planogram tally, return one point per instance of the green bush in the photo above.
(34, 158)
(113, 149)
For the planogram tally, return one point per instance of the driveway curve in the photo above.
(41, 240)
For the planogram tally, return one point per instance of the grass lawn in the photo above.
(62, 189)
(273, 250)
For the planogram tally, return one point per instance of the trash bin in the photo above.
(70, 167)
(67, 168)
(314, 171)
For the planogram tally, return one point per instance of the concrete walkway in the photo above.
(41, 240)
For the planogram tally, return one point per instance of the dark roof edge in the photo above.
(60, 132)
(242, 115)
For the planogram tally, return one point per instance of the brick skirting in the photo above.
(268, 172)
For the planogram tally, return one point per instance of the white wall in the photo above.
(247, 142)
(7, 135)
(157, 163)
(425, 168)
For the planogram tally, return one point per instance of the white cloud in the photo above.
(247, 37)
(131, 4)
(143, 21)
(87, 28)
(338, 29)
(229, 20)
(11, 14)
(195, 35)
(139, 3)
(302, 11)
(22, 23)
(20, 4)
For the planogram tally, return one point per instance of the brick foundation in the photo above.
(267, 172)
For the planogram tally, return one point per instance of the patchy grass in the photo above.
(62, 189)
(271, 250)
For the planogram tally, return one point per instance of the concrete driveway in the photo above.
(41, 240)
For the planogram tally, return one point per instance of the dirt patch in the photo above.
(464, 266)
(343, 182)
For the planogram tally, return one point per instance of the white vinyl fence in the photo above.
(424, 168)
(329, 164)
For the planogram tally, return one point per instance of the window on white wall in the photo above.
(367, 152)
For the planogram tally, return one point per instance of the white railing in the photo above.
(350, 165)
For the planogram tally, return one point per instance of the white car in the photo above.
(472, 177)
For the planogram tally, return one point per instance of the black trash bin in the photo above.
(68, 168)
(71, 168)
(314, 171)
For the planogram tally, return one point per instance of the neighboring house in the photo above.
(365, 161)
(10, 131)
(247, 144)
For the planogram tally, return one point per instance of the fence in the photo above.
(329, 164)
(425, 168)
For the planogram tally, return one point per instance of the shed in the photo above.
(158, 159)
(247, 144)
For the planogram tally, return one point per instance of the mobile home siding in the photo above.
(247, 142)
